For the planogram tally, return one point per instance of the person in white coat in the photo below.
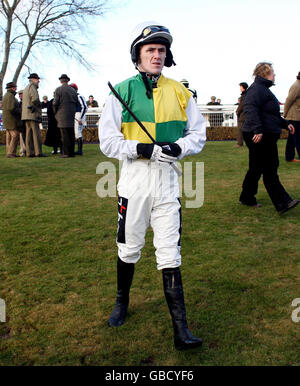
(79, 120)
(148, 187)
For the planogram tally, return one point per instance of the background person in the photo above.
(240, 114)
(219, 117)
(187, 85)
(292, 113)
(212, 117)
(22, 129)
(92, 102)
(45, 102)
(171, 114)
(79, 119)
(261, 132)
(64, 106)
(11, 119)
(32, 115)
(53, 135)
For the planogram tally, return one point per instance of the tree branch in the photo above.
(47, 21)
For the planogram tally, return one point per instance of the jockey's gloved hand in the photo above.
(170, 148)
(154, 153)
(145, 149)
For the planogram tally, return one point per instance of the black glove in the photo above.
(145, 149)
(170, 148)
(32, 108)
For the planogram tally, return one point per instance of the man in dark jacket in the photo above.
(11, 119)
(64, 106)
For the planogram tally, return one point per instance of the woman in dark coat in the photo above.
(53, 136)
(240, 114)
(261, 132)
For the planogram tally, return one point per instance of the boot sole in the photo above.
(293, 204)
(118, 316)
(115, 325)
(187, 346)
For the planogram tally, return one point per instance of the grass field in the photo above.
(58, 262)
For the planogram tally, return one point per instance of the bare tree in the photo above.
(27, 24)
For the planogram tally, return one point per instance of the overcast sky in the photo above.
(216, 46)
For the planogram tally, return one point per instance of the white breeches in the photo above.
(78, 130)
(148, 196)
(77, 126)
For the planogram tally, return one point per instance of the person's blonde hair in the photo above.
(263, 69)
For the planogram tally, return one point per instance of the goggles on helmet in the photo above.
(150, 30)
(154, 28)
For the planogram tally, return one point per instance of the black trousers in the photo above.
(293, 142)
(68, 141)
(263, 160)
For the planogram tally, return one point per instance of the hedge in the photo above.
(219, 133)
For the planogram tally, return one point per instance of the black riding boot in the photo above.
(125, 273)
(79, 143)
(183, 338)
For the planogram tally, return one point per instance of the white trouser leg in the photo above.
(166, 225)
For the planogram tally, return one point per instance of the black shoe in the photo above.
(125, 273)
(41, 155)
(290, 205)
(183, 338)
(256, 205)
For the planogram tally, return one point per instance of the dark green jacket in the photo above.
(11, 116)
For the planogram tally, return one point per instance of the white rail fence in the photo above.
(219, 115)
(215, 115)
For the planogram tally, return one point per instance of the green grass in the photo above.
(58, 269)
